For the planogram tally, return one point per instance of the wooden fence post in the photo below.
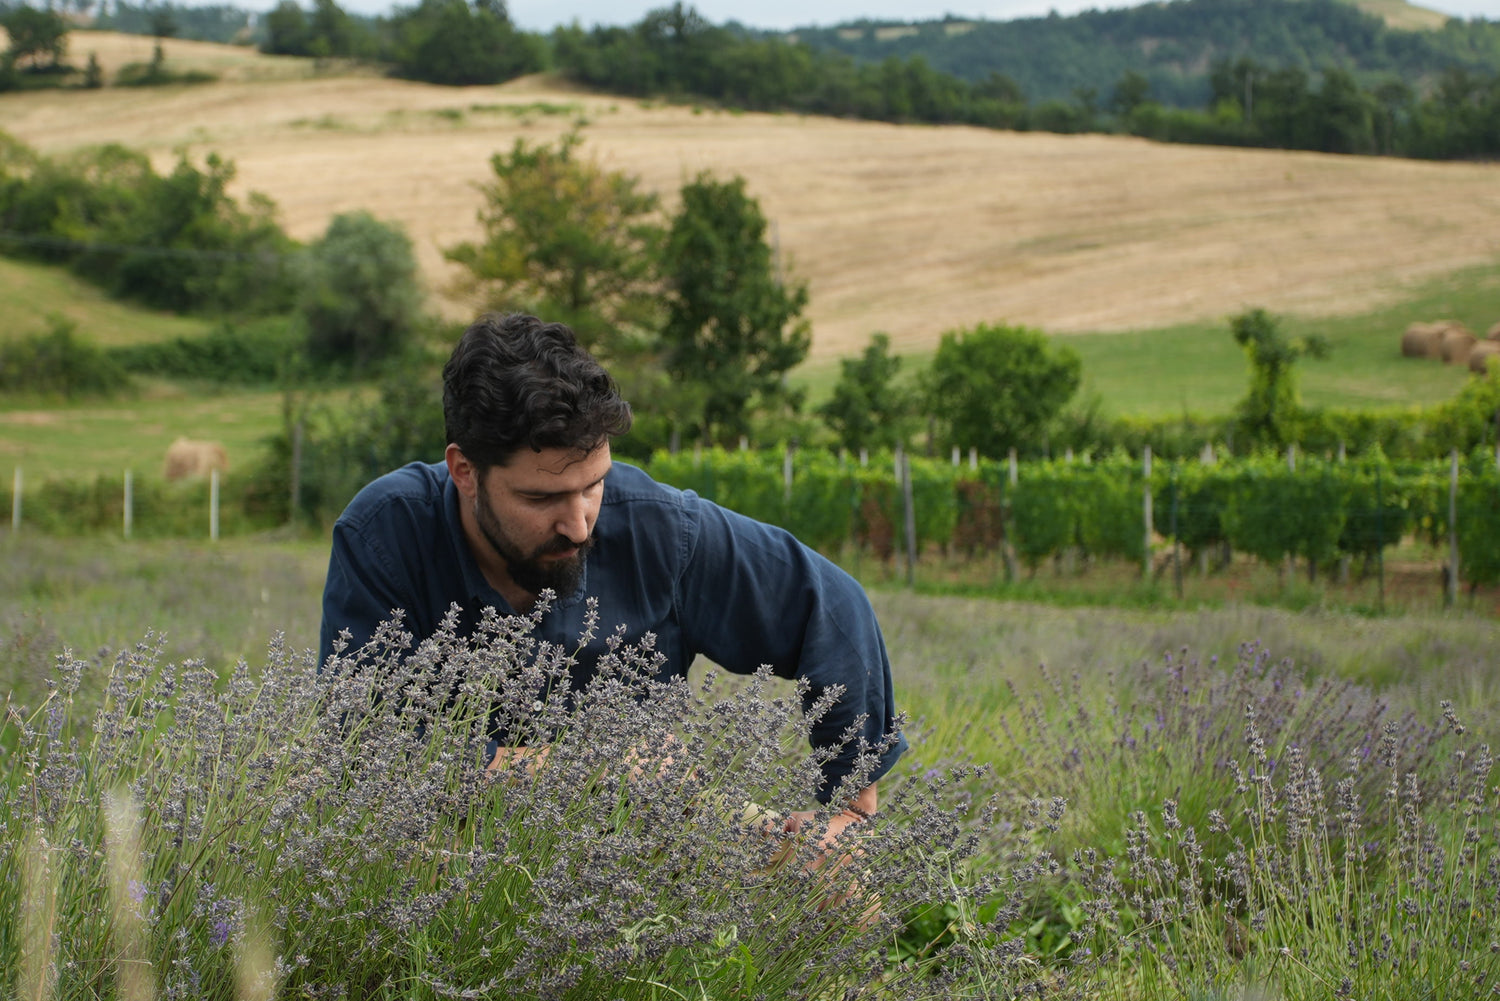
(213, 505)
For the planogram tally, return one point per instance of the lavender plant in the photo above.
(293, 834)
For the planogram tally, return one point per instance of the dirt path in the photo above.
(913, 230)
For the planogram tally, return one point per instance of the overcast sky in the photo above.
(543, 15)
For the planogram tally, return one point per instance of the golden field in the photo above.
(913, 230)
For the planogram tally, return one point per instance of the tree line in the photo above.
(1291, 74)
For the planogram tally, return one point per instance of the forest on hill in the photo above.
(1174, 46)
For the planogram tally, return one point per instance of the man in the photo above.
(528, 499)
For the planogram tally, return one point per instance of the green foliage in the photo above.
(868, 410)
(461, 44)
(35, 34)
(1271, 406)
(1273, 512)
(995, 388)
(359, 295)
(330, 31)
(734, 323)
(258, 353)
(178, 242)
(59, 362)
(568, 241)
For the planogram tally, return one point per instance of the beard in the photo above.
(529, 571)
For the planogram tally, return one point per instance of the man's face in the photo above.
(538, 512)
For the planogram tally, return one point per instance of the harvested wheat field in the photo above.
(908, 229)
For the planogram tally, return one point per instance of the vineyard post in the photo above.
(213, 505)
(1014, 472)
(15, 502)
(129, 516)
(1146, 511)
(1380, 545)
(296, 499)
(973, 458)
(1289, 564)
(744, 444)
(1450, 592)
(1176, 538)
(911, 521)
(786, 474)
(956, 456)
(864, 457)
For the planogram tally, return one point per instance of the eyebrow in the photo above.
(547, 494)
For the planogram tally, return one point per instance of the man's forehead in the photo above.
(555, 468)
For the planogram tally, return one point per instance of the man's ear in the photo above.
(465, 474)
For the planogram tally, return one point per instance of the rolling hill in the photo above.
(907, 229)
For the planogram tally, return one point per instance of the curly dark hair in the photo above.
(516, 382)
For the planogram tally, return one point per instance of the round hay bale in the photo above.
(1457, 342)
(187, 458)
(1422, 340)
(1480, 355)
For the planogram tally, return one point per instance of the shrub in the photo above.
(249, 354)
(60, 362)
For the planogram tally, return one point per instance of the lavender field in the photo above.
(1104, 803)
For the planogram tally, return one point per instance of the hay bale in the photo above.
(187, 458)
(1422, 340)
(1457, 342)
(1480, 355)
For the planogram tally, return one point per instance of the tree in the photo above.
(868, 409)
(1268, 413)
(567, 240)
(287, 31)
(451, 42)
(359, 294)
(995, 388)
(34, 34)
(733, 324)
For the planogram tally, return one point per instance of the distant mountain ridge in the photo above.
(1175, 44)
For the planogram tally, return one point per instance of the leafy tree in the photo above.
(1269, 411)
(567, 240)
(287, 30)
(868, 409)
(733, 324)
(455, 43)
(995, 388)
(359, 294)
(35, 34)
(1131, 91)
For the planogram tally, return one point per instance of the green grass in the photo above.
(89, 437)
(1197, 368)
(30, 292)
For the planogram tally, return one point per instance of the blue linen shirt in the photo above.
(704, 579)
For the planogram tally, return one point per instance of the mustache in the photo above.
(561, 544)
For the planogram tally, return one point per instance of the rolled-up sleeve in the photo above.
(751, 594)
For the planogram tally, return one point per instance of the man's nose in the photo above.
(573, 522)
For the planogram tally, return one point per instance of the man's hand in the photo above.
(830, 862)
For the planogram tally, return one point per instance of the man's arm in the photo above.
(751, 594)
(358, 593)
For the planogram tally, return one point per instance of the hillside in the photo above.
(1175, 45)
(911, 230)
